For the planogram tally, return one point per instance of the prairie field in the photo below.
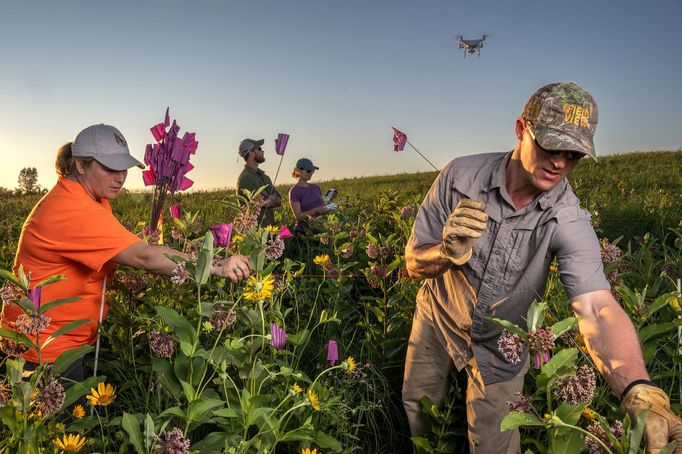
(226, 385)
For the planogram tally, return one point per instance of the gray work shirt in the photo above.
(510, 262)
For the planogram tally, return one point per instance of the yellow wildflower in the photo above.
(259, 289)
(675, 304)
(589, 414)
(554, 267)
(322, 260)
(314, 401)
(78, 411)
(308, 451)
(272, 229)
(350, 365)
(103, 395)
(296, 389)
(549, 317)
(70, 443)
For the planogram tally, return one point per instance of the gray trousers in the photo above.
(427, 372)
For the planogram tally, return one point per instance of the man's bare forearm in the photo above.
(611, 339)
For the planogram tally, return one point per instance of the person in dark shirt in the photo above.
(253, 178)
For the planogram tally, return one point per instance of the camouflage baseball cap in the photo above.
(563, 117)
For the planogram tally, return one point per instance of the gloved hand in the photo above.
(461, 230)
(662, 424)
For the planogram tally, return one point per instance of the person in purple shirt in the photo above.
(306, 198)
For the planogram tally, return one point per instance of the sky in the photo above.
(335, 75)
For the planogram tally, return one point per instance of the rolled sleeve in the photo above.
(434, 211)
(579, 256)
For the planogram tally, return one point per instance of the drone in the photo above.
(471, 45)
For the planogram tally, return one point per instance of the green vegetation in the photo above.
(198, 358)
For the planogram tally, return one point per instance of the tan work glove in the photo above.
(461, 230)
(662, 424)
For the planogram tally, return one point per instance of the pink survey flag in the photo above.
(399, 139)
(281, 143)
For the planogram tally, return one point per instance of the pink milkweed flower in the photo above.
(332, 352)
(35, 294)
(279, 337)
(176, 210)
(222, 234)
(284, 233)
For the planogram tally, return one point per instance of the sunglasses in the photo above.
(570, 155)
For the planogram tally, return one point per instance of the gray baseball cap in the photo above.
(563, 117)
(247, 145)
(107, 145)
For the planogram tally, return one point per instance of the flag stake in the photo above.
(415, 149)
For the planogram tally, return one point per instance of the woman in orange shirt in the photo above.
(72, 231)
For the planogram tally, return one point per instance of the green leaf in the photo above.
(9, 276)
(149, 431)
(77, 390)
(202, 408)
(203, 267)
(536, 315)
(656, 329)
(569, 442)
(65, 360)
(638, 432)
(190, 394)
(570, 414)
(65, 329)
(27, 305)
(17, 337)
(51, 280)
(422, 445)
(298, 434)
(164, 369)
(132, 427)
(565, 358)
(326, 441)
(299, 338)
(227, 413)
(52, 304)
(509, 326)
(516, 419)
(564, 325)
(174, 411)
(181, 325)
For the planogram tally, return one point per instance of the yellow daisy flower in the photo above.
(259, 289)
(322, 260)
(589, 413)
(70, 443)
(350, 365)
(308, 451)
(314, 401)
(675, 304)
(272, 229)
(296, 389)
(103, 395)
(554, 267)
(78, 411)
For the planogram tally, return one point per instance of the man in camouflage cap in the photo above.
(483, 241)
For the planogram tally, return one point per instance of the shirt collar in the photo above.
(253, 171)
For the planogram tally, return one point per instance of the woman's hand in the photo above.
(235, 268)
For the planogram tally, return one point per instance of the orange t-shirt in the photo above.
(69, 233)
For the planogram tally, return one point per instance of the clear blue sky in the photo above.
(336, 75)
